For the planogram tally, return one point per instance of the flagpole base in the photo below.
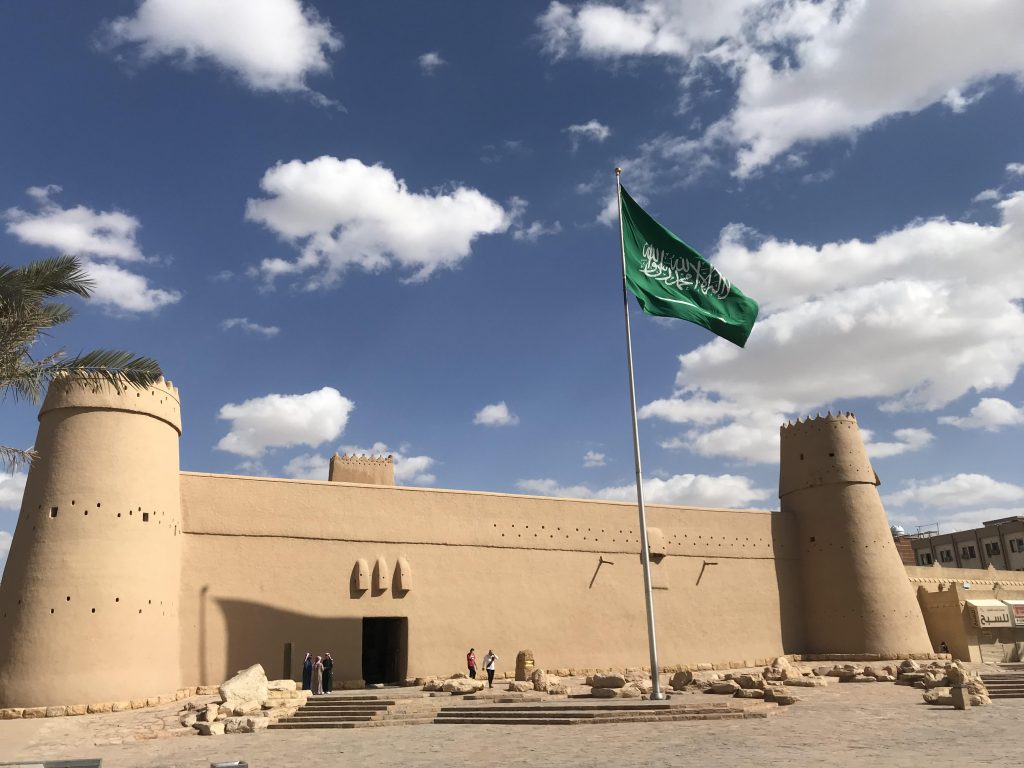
(658, 696)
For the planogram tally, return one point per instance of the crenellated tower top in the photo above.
(823, 450)
(159, 400)
(374, 470)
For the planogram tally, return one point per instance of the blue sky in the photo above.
(386, 226)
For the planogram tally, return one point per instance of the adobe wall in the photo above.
(95, 560)
(941, 594)
(269, 561)
(931, 576)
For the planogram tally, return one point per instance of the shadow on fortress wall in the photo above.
(789, 578)
(256, 634)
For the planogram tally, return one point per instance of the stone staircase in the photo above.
(591, 711)
(358, 712)
(1005, 685)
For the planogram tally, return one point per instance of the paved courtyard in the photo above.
(841, 725)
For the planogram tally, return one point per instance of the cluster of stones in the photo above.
(70, 710)
(944, 684)
(768, 685)
(937, 678)
(629, 684)
(248, 702)
(459, 684)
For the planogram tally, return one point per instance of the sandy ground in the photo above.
(863, 725)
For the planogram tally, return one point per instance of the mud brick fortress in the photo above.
(130, 578)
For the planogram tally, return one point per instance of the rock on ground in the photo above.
(247, 687)
(460, 686)
(210, 729)
(539, 678)
(608, 680)
(681, 679)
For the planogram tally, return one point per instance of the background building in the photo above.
(999, 543)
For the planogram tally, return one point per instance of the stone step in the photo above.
(698, 709)
(609, 717)
(296, 718)
(1005, 686)
(348, 707)
(370, 724)
(324, 702)
(581, 713)
(336, 715)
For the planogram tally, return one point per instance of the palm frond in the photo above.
(118, 368)
(54, 276)
(13, 458)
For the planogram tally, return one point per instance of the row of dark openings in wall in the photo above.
(93, 610)
(131, 513)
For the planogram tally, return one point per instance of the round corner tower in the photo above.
(92, 584)
(856, 596)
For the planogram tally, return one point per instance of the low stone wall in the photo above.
(70, 710)
(704, 666)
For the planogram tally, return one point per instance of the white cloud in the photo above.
(271, 44)
(536, 230)
(249, 327)
(496, 415)
(283, 421)
(959, 491)
(78, 230)
(12, 488)
(949, 520)
(307, 466)
(805, 70)
(906, 441)
(431, 62)
(1015, 169)
(99, 238)
(517, 212)
(343, 213)
(594, 459)
(728, 491)
(5, 548)
(986, 195)
(991, 413)
(592, 130)
(917, 318)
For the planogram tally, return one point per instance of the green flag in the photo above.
(671, 279)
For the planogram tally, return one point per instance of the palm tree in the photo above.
(28, 311)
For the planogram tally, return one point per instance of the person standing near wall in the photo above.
(471, 662)
(328, 672)
(307, 671)
(489, 660)
(318, 677)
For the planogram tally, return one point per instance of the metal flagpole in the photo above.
(645, 554)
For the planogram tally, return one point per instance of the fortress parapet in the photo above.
(374, 470)
(821, 451)
(160, 400)
(91, 591)
(855, 593)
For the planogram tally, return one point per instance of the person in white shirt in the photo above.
(489, 660)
